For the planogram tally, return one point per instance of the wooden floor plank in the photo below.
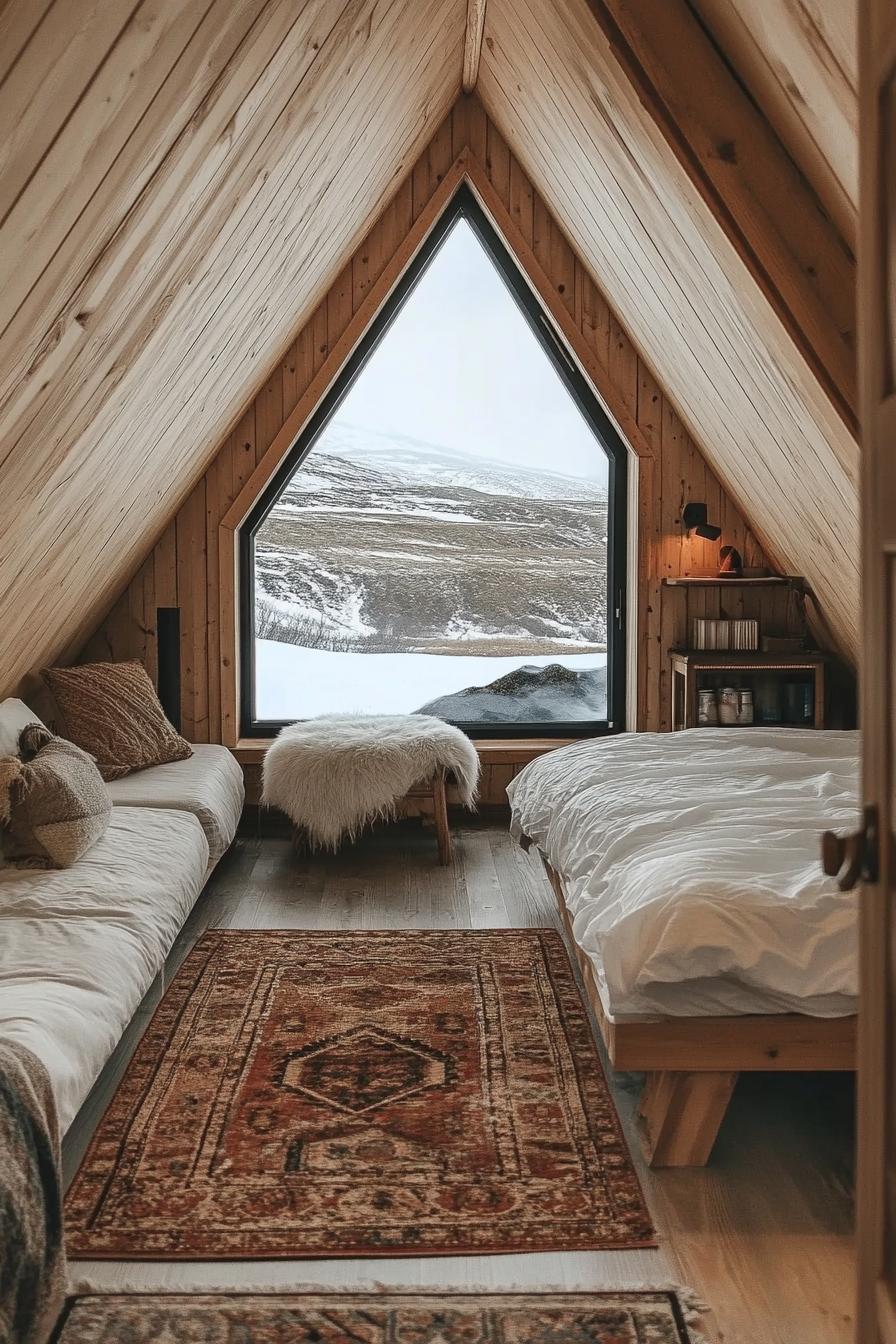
(764, 1233)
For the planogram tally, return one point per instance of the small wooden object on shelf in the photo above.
(690, 667)
(795, 581)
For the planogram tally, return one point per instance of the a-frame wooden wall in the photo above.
(183, 568)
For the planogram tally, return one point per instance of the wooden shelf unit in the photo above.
(688, 666)
(794, 581)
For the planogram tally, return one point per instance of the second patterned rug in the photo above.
(627, 1317)
(304, 1094)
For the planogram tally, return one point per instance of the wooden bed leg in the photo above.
(440, 808)
(682, 1113)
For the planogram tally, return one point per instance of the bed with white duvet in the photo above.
(691, 869)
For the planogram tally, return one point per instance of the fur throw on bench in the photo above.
(334, 775)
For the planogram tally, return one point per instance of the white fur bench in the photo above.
(334, 775)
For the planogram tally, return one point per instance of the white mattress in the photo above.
(209, 784)
(80, 947)
(692, 870)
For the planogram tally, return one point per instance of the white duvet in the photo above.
(691, 864)
(80, 947)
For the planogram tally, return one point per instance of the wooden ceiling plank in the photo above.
(88, 144)
(200, 176)
(19, 21)
(643, 257)
(192, 124)
(712, 337)
(63, 55)
(746, 177)
(662, 241)
(231, 252)
(473, 43)
(297, 225)
(671, 251)
(798, 61)
(236, 324)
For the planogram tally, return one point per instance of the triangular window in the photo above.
(447, 534)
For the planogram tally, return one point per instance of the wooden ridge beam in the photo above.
(755, 190)
(473, 43)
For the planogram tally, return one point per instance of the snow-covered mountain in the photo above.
(391, 545)
(408, 459)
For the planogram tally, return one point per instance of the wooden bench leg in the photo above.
(300, 846)
(682, 1113)
(440, 809)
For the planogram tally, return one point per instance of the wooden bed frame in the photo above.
(692, 1063)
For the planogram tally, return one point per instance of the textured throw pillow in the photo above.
(53, 802)
(112, 711)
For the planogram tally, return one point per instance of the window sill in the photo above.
(492, 751)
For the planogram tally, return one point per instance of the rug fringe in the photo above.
(694, 1309)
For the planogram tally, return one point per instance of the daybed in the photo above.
(209, 784)
(79, 947)
(687, 870)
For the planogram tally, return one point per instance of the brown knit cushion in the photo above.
(53, 802)
(112, 711)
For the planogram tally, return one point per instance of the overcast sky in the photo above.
(461, 368)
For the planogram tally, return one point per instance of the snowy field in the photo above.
(293, 682)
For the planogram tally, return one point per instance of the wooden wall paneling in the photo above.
(268, 413)
(140, 596)
(562, 267)
(218, 479)
(497, 157)
(522, 204)
(291, 376)
(622, 367)
(682, 290)
(541, 240)
(242, 448)
(650, 594)
(670, 466)
(340, 306)
(477, 130)
(168, 276)
(432, 167)
(192, 591)
(675, 548)
(595, 321)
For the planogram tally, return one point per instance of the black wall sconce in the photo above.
(695, 518)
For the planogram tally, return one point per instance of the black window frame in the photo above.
(463, 205)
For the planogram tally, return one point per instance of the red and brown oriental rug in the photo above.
(354, 1094)
(628, 1317)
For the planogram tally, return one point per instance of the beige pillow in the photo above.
(53, 803)
(112, 711)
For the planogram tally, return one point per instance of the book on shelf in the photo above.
(726, 636)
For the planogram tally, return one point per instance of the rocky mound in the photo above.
(529, 694)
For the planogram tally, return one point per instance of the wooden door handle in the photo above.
(852, 858)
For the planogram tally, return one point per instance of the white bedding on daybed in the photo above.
(209, 784)
(691, 866)
(80, 947)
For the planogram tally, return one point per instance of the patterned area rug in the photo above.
(345, 1094)
(548, 1318)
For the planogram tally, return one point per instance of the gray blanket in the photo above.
(32, 1257)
